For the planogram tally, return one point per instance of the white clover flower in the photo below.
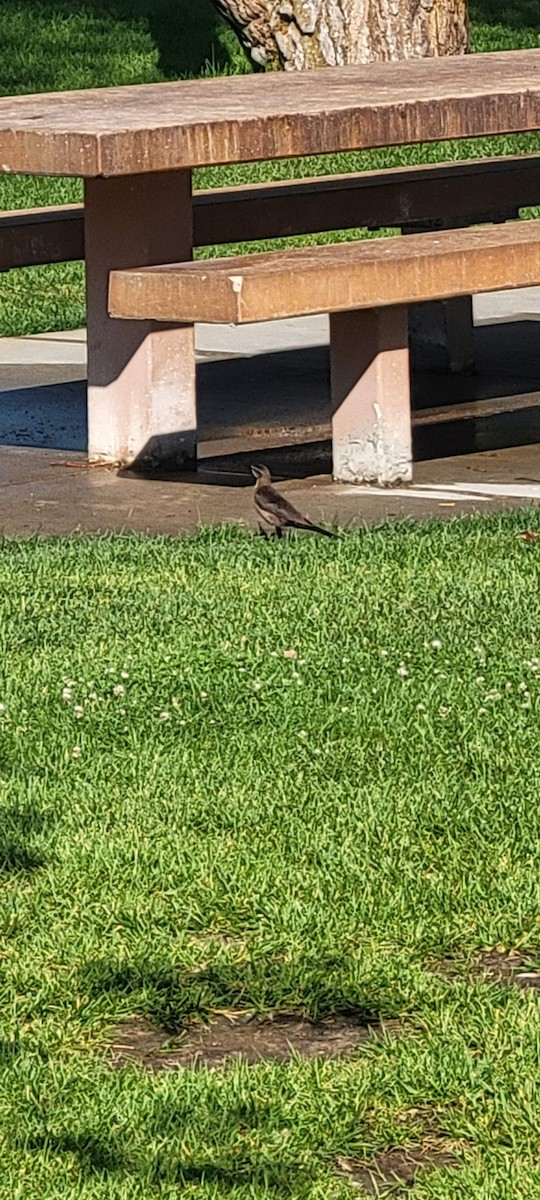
(420, 708)
(76, 752)
(66, 694)
(257, 686)
(164, 716)
(436, 644)
(403, 672)
(78, 711)
(118, 689)
(124, 674)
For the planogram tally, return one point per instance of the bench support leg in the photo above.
(442, 335)
(371, 406)
(141, 376)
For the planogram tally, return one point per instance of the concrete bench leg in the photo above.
(371, 405)
(442, 335)
(141, 377)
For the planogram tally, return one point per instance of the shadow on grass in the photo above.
(104, 1156)
(19, 827)
(518, 14)
(17, 859)
(186, 34)
(170, 996)
(95, 1155)
(9, 1052)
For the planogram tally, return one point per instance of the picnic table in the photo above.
(136, 146)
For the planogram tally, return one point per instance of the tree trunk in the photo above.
(296, 34)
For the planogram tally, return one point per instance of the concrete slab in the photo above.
(264, 394)
(493, 308)
(41, 493)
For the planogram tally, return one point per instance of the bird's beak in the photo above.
(256, 471)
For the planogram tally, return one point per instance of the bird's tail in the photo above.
(310, 528)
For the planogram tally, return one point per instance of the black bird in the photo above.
(275, 513)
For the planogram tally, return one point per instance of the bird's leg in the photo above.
(263, 532)
(279, 531)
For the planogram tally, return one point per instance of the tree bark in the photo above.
(297, 34)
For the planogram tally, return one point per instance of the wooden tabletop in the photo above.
(155, 127)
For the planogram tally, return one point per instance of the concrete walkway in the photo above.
(263, 394)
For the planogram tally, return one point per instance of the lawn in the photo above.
(263, 777)
(57, 44)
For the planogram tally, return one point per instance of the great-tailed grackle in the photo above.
(275, 513)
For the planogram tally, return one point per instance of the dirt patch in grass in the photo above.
(508, 967)
(239, 1035)
(495, 966)
(396, 1169)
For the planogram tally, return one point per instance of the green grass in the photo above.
(46, 46)
(220, 825)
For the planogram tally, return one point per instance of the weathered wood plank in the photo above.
(471, 191)
(333, 278)
(465, 192)
(35, 236)
(160, 127)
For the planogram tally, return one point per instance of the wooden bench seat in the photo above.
(366, 287)
(440, 195)
(332, 278)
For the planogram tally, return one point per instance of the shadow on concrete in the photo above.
(277, 406)
(298, 459)
(48, 417)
